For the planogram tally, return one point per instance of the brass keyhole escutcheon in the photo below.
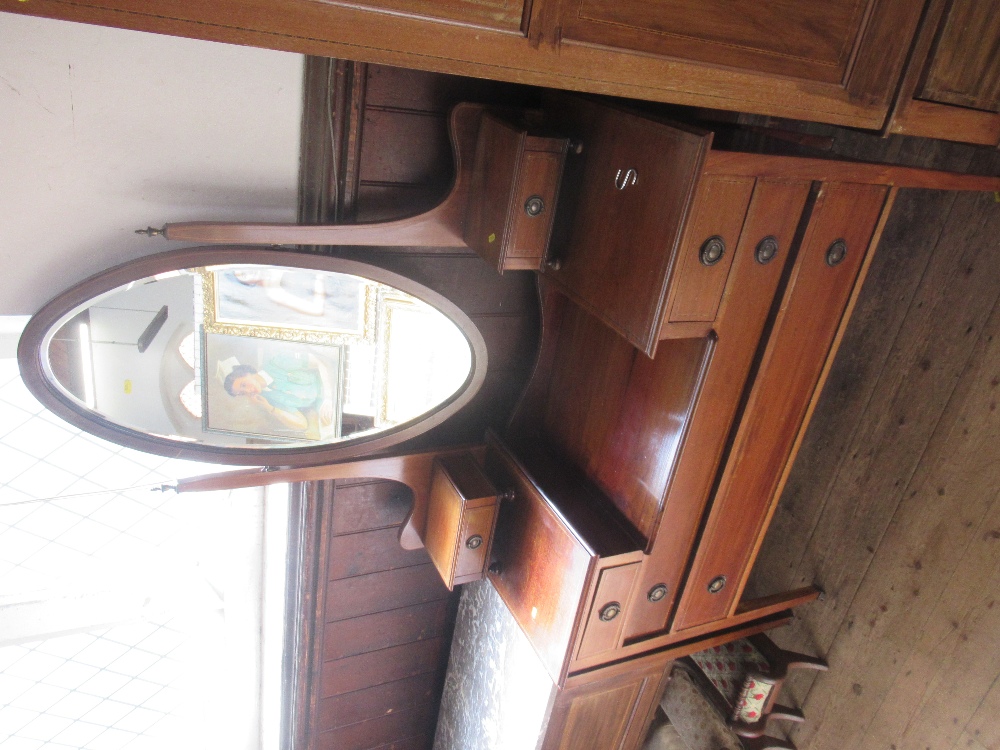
(474, 541)
(836, 253)
(767, 248)
(534, 206)
(712, 250)
(716, 584)
(657, 593)
(610, 611)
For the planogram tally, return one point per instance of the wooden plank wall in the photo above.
(384, 626)
(375, 147)
(892, 506)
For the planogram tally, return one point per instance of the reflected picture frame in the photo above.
(283, 361)
(248, 300)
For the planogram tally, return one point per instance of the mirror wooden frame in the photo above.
(31, 358)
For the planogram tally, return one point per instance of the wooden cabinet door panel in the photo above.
(964, 68)
(808, 40)
(495, 14)
(609, 708)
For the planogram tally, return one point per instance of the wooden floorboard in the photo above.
(894, 503)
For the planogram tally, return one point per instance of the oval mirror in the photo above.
(249, 356)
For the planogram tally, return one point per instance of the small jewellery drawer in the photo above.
(461, 515)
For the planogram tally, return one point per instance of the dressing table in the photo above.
(693, 301)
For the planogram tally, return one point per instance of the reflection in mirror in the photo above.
(255, 356)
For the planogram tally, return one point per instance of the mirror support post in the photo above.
(414, 470)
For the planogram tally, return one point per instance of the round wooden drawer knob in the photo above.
(610, 611)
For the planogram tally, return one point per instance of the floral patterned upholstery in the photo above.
(697, 723)
(739, 672)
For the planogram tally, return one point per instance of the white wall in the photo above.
(103, 131)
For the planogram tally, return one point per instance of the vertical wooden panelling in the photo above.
(388, 622)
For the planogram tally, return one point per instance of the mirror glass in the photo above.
(257, 356)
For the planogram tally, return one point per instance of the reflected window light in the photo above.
(190, 398)
(186, 350)
(87, 364)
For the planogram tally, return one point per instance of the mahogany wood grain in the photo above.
(610, 712)
(813, 41)
(393, 627)
(471, 563)
(825, 170)
(820, 386)
(541, 175)
(798, 345)
(754, 616)
(880, 57)
(624, 202)
(368, 35)
(582, 506)
(963, 68)
(352, 597)
(510, 167)
(542, 567)
(774, 210)
(931, 120)
(462, 504)
(495, 172)
(378, 667)
(374, 702)
(719, 210)
(913, 116)
(639, 410)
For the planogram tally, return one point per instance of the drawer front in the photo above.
(462, 504)
(775, 210)
(624, 202)
(603, 628)
(798, 347)
(542, 570)
(709, 245)
(538, 178)
(474, 543)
